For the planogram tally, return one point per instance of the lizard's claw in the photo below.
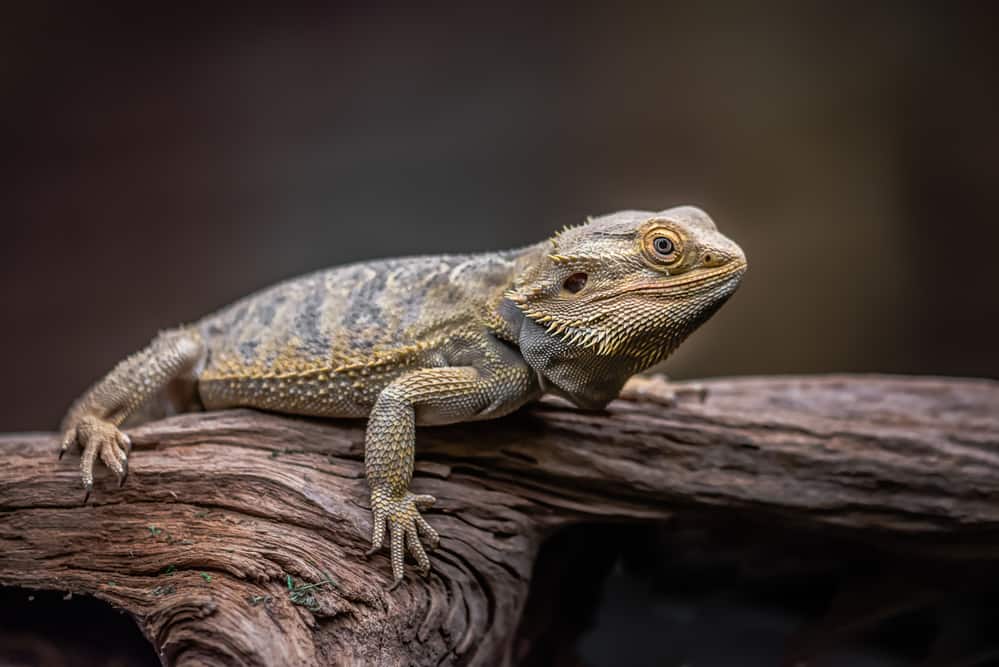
(98, 438)
(401, 514)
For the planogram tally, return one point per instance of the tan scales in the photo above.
(430, 340)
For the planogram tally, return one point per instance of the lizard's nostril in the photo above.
(715, 258)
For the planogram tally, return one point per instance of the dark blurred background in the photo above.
(160, 163)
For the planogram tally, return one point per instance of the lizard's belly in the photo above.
(301, 397)
(317, 393)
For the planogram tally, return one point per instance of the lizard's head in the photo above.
(618, 294)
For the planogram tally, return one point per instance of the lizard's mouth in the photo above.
(729, 275)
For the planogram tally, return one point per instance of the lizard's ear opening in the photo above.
(575, 283)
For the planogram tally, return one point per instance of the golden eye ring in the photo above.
(662, 247)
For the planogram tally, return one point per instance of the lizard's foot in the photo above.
(402, 515)
(97, 437)
(658, 389)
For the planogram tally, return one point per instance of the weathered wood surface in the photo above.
(221, 509)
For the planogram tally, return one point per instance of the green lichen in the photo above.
(304, 594)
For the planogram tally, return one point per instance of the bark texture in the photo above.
(239, 536)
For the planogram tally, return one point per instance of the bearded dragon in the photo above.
(429, 340)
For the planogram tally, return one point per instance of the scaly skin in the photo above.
(430, 340)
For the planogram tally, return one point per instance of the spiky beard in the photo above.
(607, 335)
(644, 332)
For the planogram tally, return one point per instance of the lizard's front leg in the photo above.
(93, 421)
(429, 396)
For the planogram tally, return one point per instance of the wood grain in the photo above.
(239, 536)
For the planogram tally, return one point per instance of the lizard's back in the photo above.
(325, 344)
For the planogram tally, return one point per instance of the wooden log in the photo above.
(239, 536)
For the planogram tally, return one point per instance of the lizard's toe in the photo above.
(68, 440)
(396, 540)
(432, 537)
(417, 551)
(423, 501)
(658, 389)
(113, 457)
(401, 516)
(377, 532)
(99, 438)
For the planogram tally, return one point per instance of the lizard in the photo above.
(429, 340)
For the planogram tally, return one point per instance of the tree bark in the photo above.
(239, 536)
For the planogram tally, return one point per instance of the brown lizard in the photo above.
(430, 340)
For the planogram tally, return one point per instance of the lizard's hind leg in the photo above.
(94, 419)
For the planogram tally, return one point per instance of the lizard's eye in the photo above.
(663, 246)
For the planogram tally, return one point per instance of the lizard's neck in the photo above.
(503, 319)
(576, 372)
